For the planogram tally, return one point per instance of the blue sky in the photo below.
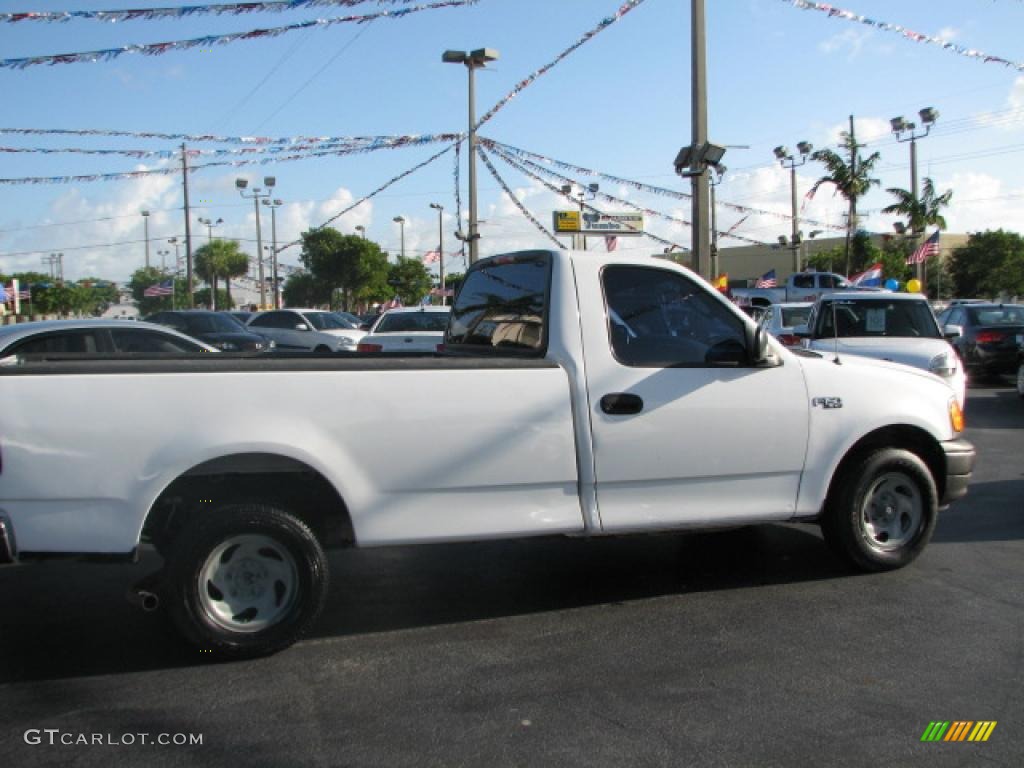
(619, 104)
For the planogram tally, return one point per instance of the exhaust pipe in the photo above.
(144, 595)
(144, 599)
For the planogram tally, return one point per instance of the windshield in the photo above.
(411, 322)
(328, 321)
(212, 324)
(877, 318)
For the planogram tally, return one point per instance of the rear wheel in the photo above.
(883, 511)
(245, 580)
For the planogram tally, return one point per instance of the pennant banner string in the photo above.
(909, 34)
(222, 163)
(640, 186)
(367, 144)
(605, 23)
(515, 200)
(177, 12)
(608, 198)
(602, 195)
(375, 192)
(155, 49)
(190, 137)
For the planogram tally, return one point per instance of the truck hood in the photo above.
(909, 351)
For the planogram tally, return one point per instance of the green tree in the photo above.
(301, 289)
(925, 212)
(347, 264)
(851, 178)
(410, 279)
(217, 259)
(991, 263)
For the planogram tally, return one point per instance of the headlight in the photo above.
(943, 365)
(345, 341)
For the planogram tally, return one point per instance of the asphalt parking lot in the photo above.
(745, 648)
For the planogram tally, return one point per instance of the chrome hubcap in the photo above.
(248, 583)
(892, 513)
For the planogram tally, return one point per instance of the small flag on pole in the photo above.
(767, 280)
(872, 276)
(611, 242)
(929, 247)
(166, 288)
(722, 282)
(432, 256)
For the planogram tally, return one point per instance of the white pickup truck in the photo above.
(579, 394)
(800, 286)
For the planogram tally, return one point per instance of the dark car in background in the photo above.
(218, 329)
(987, 340)
(91, 338)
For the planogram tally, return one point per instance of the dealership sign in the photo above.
(594, 223)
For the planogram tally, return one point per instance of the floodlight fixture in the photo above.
(241, 183)
(929, 115)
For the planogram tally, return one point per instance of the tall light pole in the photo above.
(400, 221)
(209, 227)
(256, 195)
(699, 138)
(473, 60)
(163, 254)
(908, 132)
(361, 230)
(145, 219)
(273, 206)
(440, 246)
(788, 160)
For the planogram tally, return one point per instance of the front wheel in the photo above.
(245, 580)
(883, 511)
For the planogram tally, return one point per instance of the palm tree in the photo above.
(217, 259)
(852, 179)
(925, 212)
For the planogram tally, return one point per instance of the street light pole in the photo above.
(145, 219)
(209, 227)
(273, 206)
(900, 127)
(788, 160)
(440, 247)
(256, 195)
(400, 220)
(361, 230)
(472, 60)
(699, 133)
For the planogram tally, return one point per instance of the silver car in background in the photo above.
(309, 329)
(408, 329)
(780, 320)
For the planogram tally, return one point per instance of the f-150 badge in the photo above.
(828, 402)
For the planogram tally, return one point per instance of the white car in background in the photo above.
(780, 320)
(407, 329)
(310, 329)
(897, 327)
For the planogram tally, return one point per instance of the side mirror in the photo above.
(951, 332)
(757, 346)
(301, 327)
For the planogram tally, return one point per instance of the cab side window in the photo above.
(658, 319)
(803, 281)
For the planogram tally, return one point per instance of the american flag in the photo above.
(431, 256)
(929, 247)
(166, 288)
(767, 280)
(23, 293)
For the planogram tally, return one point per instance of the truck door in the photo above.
(684, 429)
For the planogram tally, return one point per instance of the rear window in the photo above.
(502, 305)
(795, 316)
(412, 322)
(1012, 315)
(877, 317)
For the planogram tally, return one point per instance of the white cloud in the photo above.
(948, 33)
(1012, 117)
(850, 40)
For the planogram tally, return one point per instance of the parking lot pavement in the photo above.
(745, 648)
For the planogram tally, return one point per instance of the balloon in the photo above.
(914, 286)
(892, 284)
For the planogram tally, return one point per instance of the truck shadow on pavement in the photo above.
(69, 619)
(996, 411)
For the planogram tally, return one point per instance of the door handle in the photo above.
(621, 404)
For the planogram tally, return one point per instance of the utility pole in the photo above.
(699, 181)
(188, 228)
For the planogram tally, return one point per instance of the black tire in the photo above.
(882, 512)
(323, 349)
(245, 580)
